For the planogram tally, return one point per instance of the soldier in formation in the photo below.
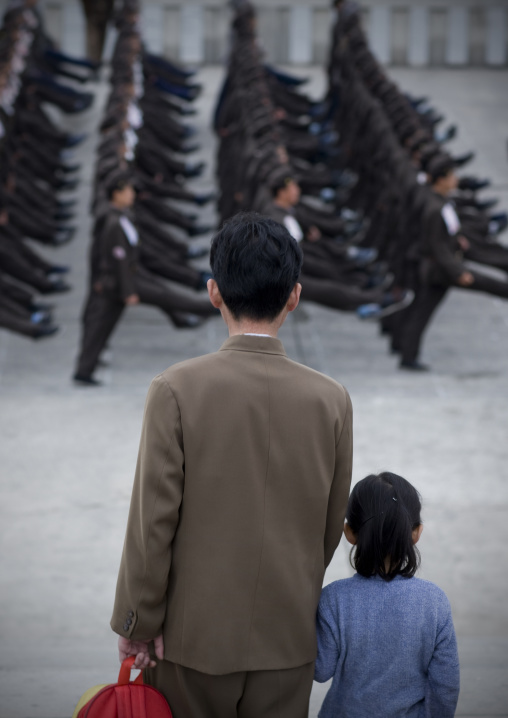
(425, 220)
(140, 238)
(278, 155)
(37, 170)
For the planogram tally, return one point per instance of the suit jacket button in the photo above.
(126, 626)
(131, 614)
(129, 621)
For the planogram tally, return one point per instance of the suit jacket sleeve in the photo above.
(140, 602)
(339, 492)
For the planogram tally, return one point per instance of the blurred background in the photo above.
(414, 33)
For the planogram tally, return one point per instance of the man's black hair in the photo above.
(382, 512)
(256, 263)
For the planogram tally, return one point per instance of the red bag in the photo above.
(125, 699)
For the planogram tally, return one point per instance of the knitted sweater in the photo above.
(390, 648)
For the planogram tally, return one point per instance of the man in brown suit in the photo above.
(238, 504)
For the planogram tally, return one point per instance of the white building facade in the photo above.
(416, 33)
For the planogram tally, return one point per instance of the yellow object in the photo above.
(87, 696)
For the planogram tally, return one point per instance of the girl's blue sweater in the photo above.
(390, 648)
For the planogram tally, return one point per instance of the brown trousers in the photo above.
(250, 694)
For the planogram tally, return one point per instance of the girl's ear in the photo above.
(416, 533)
(348, 533)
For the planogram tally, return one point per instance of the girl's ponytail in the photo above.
(382, 513)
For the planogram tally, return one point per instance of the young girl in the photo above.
(385, 637)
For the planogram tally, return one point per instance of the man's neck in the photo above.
(247, 326)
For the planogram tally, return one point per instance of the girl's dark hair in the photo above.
(382, 512)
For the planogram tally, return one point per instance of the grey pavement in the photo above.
(67, 454)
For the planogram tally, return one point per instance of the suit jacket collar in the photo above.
(244, 343)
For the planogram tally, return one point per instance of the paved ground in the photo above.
(67, 455)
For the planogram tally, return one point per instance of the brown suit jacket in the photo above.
(238, 505)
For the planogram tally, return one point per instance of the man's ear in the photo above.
(348, 533)
(294, 297)
(416, 533)
(214, 294)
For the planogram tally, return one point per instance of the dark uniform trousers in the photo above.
(493, 255)
(247, 694)
(103, 310)
(427, 301)
(335, 295)
(170, 267)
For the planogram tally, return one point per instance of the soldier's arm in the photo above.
(120, 257)
(439, 240)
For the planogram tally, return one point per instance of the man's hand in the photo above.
(313, 235)
(132, 300)
(463, 243)
(465, 279)
(139, 649)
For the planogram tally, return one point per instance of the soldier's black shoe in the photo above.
(202, 199)
(187, 149)
(378, 280)
(186, 111)
(189, 131)
(63, 236)
(203, 280)
(194, 170)
(69, 169)
(392, 302)
(186, 321)
(41, 318)
(462, 160)
(58, 269)
(42, 331)
(417, 101)
(73, 140)
(498, 223)
(196, 252)
(414, 366)
(473, 183)
(65, 203)
(58, 286)
(86, 380)
(446, 135)
(198, 229)
(66, 185)
(486, 204)
(37, 306)
(62, 215)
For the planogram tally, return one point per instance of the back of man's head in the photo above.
(256, 263)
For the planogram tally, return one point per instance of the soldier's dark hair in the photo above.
(382, 512)
(119, 180)
(256, 263)
(439, 167)
(280, 182)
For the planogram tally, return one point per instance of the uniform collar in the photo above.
(244, 343)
